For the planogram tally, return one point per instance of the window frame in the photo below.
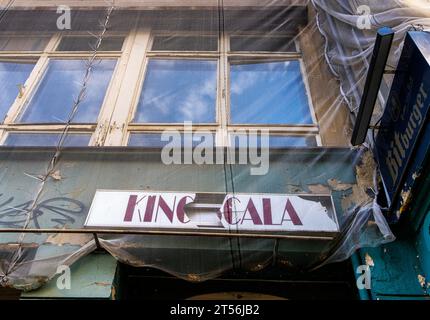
(266, 56)
(223, 127)
(114, 124)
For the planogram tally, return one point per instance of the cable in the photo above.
(53, 162)
(6, 10)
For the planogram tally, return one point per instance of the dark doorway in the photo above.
(334, 281)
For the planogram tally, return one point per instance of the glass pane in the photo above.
(12, 75)
(292, 141)
(185, 43)
(55, 96)
(275, 141)
(46, 139)
(268, 93)
(27, 43)
(175, 91)
(153, 140)
(269, 44)
(80, 43)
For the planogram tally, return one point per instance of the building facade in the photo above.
(164, 144)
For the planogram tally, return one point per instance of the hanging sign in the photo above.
(402, 143)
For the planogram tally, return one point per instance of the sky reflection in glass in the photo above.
(268, 93)
(175, 91)
(11, 76)
(54, 98)
(46, 139)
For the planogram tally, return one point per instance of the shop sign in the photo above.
(400, 145)
(212, 211)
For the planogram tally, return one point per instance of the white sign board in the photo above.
(212, 211)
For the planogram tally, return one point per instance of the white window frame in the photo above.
(222, 127)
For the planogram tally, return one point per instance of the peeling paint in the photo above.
(406, 197)
(56, 175)
(102, 284)
(294, 189)
(61, 239)
(422, 281)
(364, 176)
(338, 185)
(319, 189)
(369, 260)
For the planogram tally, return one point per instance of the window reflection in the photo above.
(55, 96)
(23, 43)
(258, 43)
(12, 76)
(81, 43)
(46, 139)
(153, 140)
(268, 93)
(175, 91)
(275, 141)
(185, 43)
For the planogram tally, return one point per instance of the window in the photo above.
(46, 139)
(49, 80)
(155, 140)
(145, 82)
(54, 99)
(178, 90)
(263, 44)
(88, 43)
(185, 43)
(13, 75)
(268, 93)
(23, 42)
(251, 82)
(275, 141)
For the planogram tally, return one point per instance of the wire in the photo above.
(6, 10)
(53, 162)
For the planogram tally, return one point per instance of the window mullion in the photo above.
(105, 122)
(53, 43)
(127, 88)
(2, 136)
(223, 92)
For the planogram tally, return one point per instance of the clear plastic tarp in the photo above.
(238, 99)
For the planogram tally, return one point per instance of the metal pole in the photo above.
(320, 236)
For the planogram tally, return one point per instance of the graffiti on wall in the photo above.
(59, 211)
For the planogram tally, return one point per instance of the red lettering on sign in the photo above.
(228, 211)
(253, 213)
(180, 212)
(130, 208)
(149, 209)
(292, 213)
(267, 212)
(165, 208)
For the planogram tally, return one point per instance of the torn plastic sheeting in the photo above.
(38, 266)
(349, 47)
(54, 188)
